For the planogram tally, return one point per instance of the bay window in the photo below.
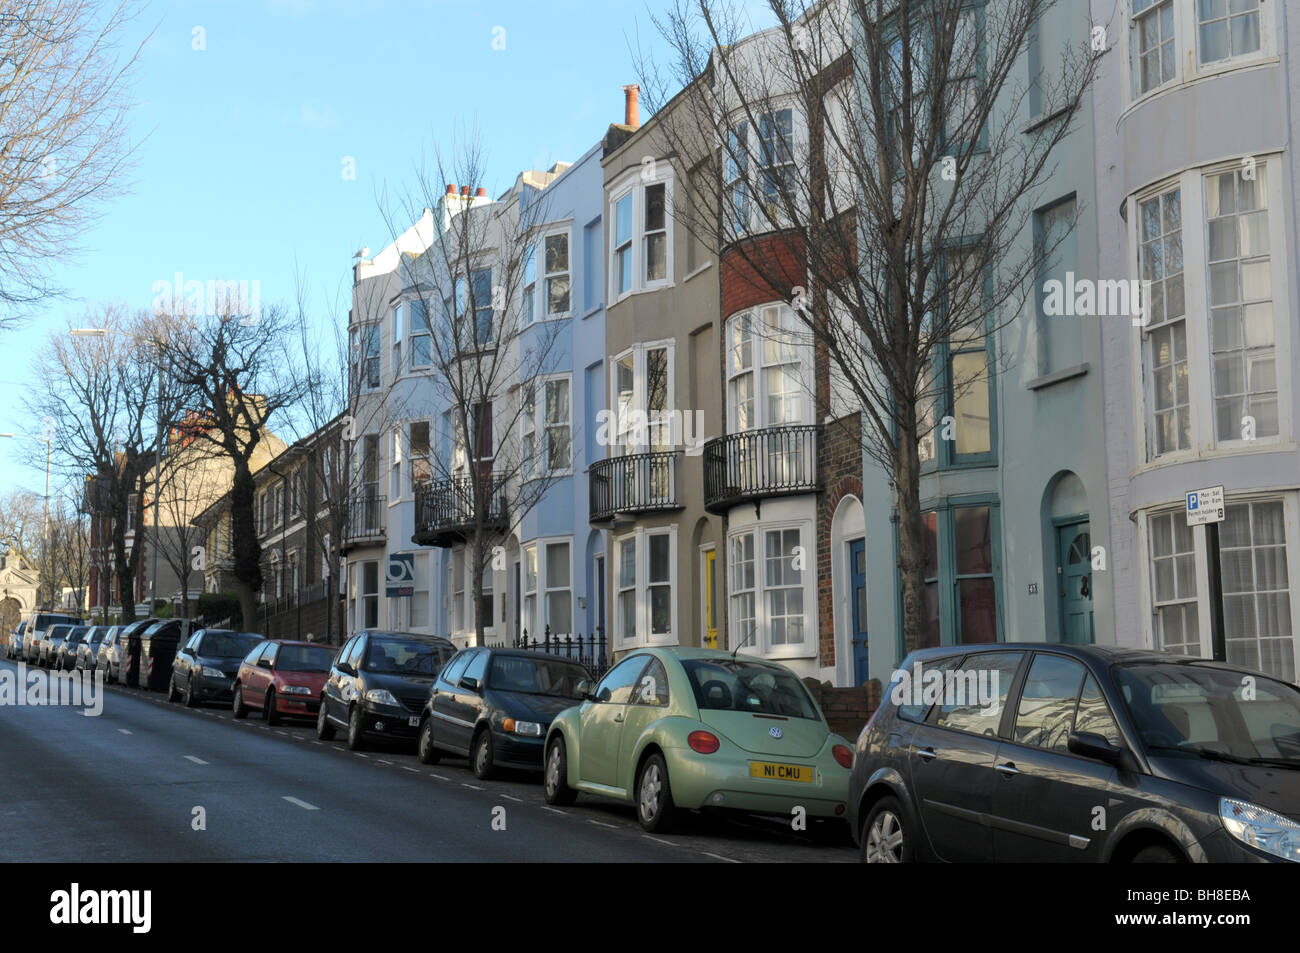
(962, 573)
(1160, 253)
(557, 275)
(556, 585)
(772, 390)
(552, 416)
(642, 246)
(1173, 584)
(770, 590)
(420, 336)
(646, 587)
(1223, 32)
(642, 384)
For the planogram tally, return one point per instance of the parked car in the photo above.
(281, 678)
(50, 642)
(14, 644)
(110, 654)
(675, 728)
(37, 623)
(1186, 759)
(65, 656)
(378, 685)
(204, 669)
(495, 706)
(88, 650)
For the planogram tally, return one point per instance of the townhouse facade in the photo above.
(1197, 196)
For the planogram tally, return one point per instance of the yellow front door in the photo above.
(710, 607)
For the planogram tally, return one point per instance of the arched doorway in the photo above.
(1068, 559)
(849, 591)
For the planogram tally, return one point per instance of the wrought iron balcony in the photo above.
(634, 483)
(445, 511)
(367, 521)
(756, 464)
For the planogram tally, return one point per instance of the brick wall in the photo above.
(781, 269)
(839, 463)
(847, 710)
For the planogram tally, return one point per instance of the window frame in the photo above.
(758, 532)
(623, 425)
(638, 539)
(635, 183)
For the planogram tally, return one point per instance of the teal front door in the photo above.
(858, 596)
(1074, 577)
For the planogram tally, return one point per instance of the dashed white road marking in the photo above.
(360, 755)
(602, 824)
(553, 810)
(438, 776)
(382, 761)
(124, 731)
(279, 732)
(302, 804)
(190, 757)
(730, 860)
(407, 767)
(467, 785)
(318, 742)
(659, 840)
(509, 797)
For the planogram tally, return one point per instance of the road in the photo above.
(125, 786)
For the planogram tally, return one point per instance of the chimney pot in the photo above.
(481, 193)
(631, 110)
(464, 190)
(451, 190)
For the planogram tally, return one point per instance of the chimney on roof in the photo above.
(451, 189)
(631, 110)
(481, 193)
(464, 191)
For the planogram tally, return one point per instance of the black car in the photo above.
(1034, 752)
(65, 657)
(495, 706)
(205, 667)
(378, 685)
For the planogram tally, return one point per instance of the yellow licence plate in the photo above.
(781, 772)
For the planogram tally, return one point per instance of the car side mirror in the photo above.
(264, 663)
(346, 668)
(585, 689)
(473, 684)
(1088, 744)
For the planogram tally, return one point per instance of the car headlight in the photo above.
(382, 696)
(1261, 828)
(296, 690)
(529, 728)
(213, 672)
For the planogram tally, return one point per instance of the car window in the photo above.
(616, 687)
(353, 656)
(271, 651)
(747, 684)
(192, 646)
(652, 686)
(451, 674)
(907, 690)
(252, 657)
(1094, 715)
(980, 696)
(477, 666)
(1045, 715)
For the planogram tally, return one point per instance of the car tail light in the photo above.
(843, 755)
(705, 742)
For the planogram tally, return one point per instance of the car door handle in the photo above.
(929, 754)
(618, 717)
(1009, 769)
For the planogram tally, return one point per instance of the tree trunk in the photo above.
(911, 536)
(245, 549)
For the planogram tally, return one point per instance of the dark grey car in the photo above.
(204, 669)
(1035, 752)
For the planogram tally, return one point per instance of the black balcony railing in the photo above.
(634, 483)
(755, 464)
(590, 650)
(445, 511)
(367, 519)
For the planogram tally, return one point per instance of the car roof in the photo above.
(528, 653)
(684, 652)
(322, 645)
(413, 636)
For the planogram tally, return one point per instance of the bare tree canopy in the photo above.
(63, 140)
(880, 164)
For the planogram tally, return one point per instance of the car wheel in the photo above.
(172, 694)
(237, 706)
(324, 730)
(428, 753)
(654, 798)
(884, 838)
(482, 759)
(269, 713)
(191, 698)
(355, 740)
(1156, 854)
(557, 774)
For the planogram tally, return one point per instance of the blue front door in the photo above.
(858, 598)
(1074, 573)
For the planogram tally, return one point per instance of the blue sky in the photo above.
(238, 171)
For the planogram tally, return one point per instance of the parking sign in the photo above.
(1205, 506)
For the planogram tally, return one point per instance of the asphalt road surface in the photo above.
(124, 786)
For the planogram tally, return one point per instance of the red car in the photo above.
(282, 678)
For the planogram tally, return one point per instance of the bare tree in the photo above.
(22, 524)
(878, 170)
(240, 374)
(69, 558)
(189, 478)
(63, 137)
(481, 293)
(100, 397)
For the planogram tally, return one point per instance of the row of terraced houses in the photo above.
(756, 517)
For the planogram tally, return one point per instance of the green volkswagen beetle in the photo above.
(675, 728)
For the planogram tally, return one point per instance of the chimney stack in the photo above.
(451, 189)
(631, 111)
(464, 191)
(481, 193)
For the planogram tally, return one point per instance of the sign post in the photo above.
(1205, 508)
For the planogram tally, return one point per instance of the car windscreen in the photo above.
(78, 633)
(1210, 712)
(228, 644)
(57, 632)
(536, 676)
(304, 658)
(746, 685)
(44, 621)
(407, 656)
